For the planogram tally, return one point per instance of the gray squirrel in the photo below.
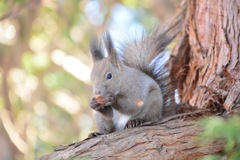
(131, 88)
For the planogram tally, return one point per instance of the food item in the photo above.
(99, 99)
(139, 102)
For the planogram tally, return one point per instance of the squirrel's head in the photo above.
(107, 70)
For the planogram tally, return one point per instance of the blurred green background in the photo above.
(45, 66)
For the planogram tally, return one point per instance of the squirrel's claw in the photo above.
(94, 134)
(95, 105)
(134, 123)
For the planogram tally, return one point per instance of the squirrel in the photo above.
(131, 85)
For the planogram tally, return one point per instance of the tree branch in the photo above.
(16, 10)
(173, 139)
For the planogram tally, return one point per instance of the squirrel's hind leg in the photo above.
(104, 125)
(150, 111)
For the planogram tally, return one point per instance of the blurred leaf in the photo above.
(214, 127)
(34, 63)
(3, 8)
(235, 155)
(27, 62)
(229, 146)
(212, 157)
(40, 61)
(217, 128)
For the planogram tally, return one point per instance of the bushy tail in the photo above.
(141, 52)
(148, 54)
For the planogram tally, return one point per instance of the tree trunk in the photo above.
(207, 58)
(206, 71)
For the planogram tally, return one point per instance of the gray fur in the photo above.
(112, 54)
(97, 49)
(132, 79)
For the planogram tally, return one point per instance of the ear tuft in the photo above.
(112, 54)
(97, 49)
(108, 43)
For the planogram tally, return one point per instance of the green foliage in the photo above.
(212, 157)
(226, 130)
(35, 63)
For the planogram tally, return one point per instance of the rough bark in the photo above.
(171, 140)
(207, 58)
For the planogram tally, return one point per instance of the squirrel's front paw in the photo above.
(134, 123)
(108, 99)
(96, 105)
(101, 102)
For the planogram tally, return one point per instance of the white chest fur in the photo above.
(119, 120)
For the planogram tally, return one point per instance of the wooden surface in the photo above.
(170, 140)
(206, 61)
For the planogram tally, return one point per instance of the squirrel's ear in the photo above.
(112, 54)
(96, 49)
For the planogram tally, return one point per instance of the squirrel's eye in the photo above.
(108, 76)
